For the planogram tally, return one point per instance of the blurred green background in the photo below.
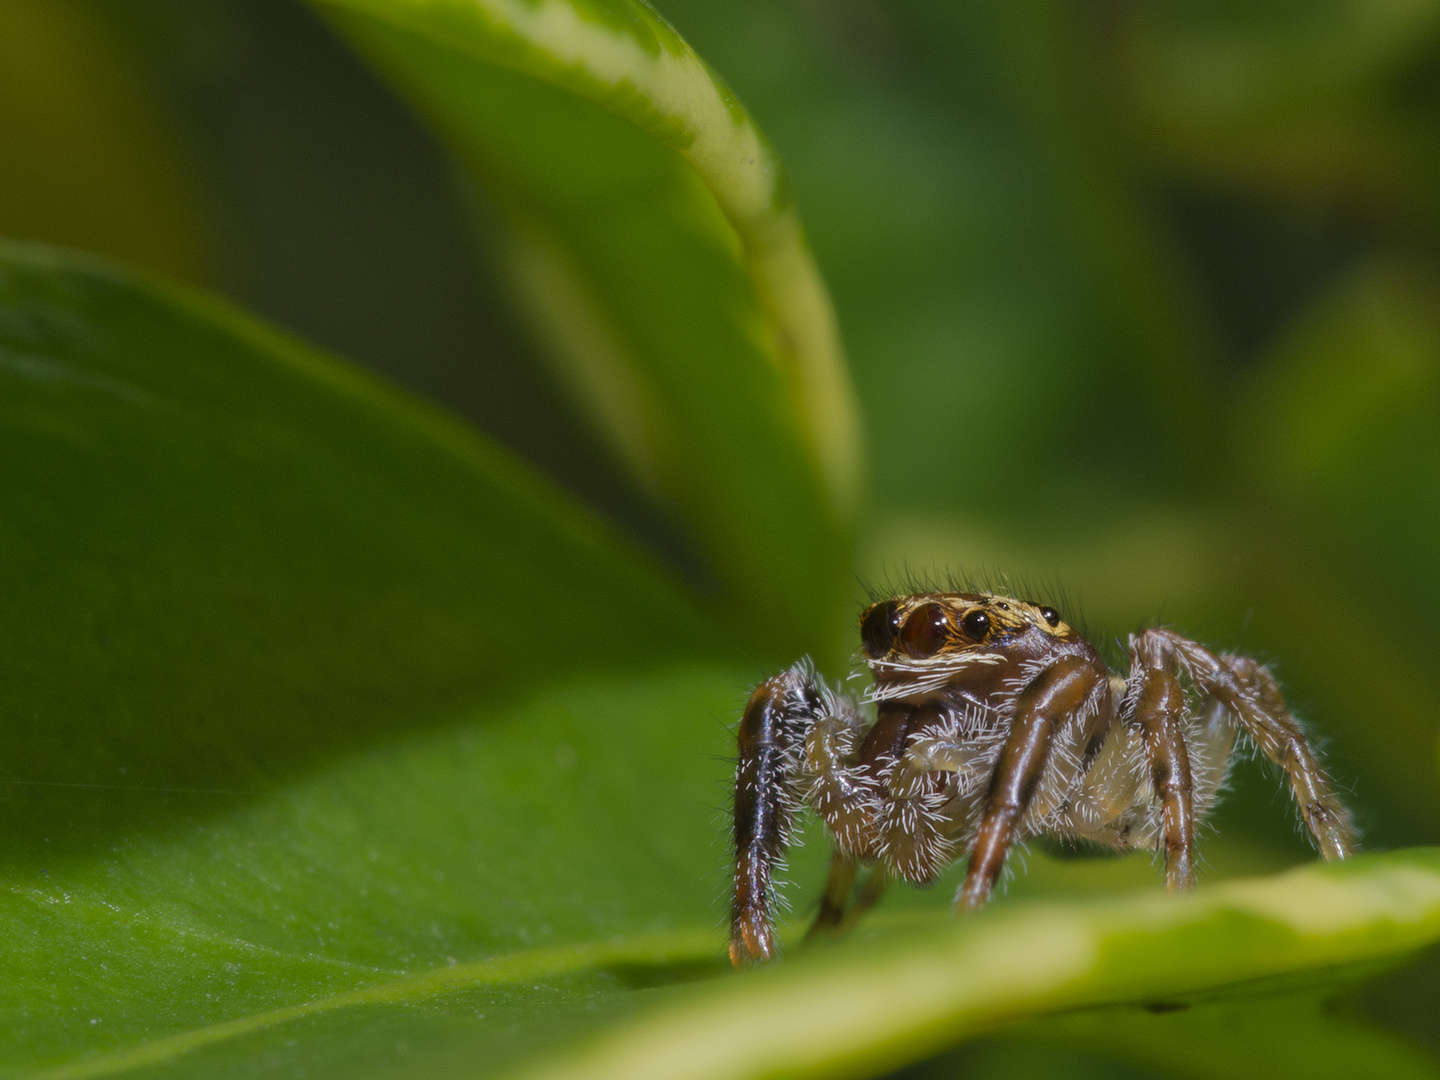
(1142, 301)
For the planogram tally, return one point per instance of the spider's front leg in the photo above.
(1072, 687)
(796, 740)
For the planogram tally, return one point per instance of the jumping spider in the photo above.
(996, 722)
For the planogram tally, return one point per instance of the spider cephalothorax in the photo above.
(995, 721)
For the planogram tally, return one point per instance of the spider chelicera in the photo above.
(995, 722)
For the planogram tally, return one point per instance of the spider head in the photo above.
(929, 637)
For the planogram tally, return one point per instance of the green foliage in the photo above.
(650, 235)
(308, 753)
(900, 995)
(1076, 329)
(340, 743)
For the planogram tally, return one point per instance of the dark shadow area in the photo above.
(1407, 999)
(1259, 270)
(642, 976)
(338, 216)
(1001, 1059)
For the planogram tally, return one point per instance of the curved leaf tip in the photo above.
(627, 58)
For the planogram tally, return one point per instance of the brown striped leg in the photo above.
(835, 897)
(1283, 742)
(1249, 692)
(772, 737)
(1066, 688)
(1160, 714)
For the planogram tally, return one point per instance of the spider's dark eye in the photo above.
(1050, 615)
(878, 627)
(926, 631)
(976, 625)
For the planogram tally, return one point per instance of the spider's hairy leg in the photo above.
(1249, 692)
(870, 893)
(841, 792)
(915, 834)
(1112, 792)
(1284, 743)
(1067, 688)
(836, 895)
(1211, 744)
(773, 727)
(1157, 707)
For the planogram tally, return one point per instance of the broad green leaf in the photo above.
(210, 531)
(649, 232)
(901, 996)
(477, 893)
(305, 687)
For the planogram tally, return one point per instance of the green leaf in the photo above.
(493, 888)
(306, 689)
(649, 232)
(216, 528)
(904, 995)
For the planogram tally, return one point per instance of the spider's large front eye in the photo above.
(878, 627)
(1051, 616)
(926, 631)
(976, 625)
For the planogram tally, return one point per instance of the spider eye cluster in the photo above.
(922, 633)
